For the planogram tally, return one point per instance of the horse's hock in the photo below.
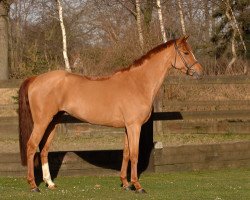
(88, 152)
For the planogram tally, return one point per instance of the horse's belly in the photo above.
(98, 114)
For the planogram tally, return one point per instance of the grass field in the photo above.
(214, 185)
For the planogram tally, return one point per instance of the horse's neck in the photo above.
(154, 71)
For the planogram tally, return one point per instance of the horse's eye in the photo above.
(186, 52)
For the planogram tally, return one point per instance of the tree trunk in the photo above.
(228, 13)
(229, 69)
(207, 7)
(65, 54)
(139, 24)
(161, 21)
(236, 26)
(4, 39)
(147, 13)
(211, 20)
(183, 28)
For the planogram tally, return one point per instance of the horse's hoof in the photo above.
(127, 188)
(141, 191)
(52, 187)
(35, 190)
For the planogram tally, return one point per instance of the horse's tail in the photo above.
(25, 119)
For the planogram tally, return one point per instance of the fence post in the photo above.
(158, 107)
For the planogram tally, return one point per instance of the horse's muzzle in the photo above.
(197, 75)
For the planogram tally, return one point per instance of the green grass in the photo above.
(214, 185)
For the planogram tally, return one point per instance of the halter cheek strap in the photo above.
(189, 67)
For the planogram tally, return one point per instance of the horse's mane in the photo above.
(153, 51)
(137, 62)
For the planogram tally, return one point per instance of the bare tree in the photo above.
(236, 26)
(207, 9)
(233, 41)
(163, 33)
(65, 54)
(4, 39)
(183, 27)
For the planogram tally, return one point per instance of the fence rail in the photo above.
(208, 103)
(183, 80)
(173, 80)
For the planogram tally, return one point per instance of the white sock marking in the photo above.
(46, 175)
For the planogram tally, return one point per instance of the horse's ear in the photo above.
(183, 39)
(186, 37)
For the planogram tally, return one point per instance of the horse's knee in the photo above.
(134, 160)
(31, 150)
(126, 156)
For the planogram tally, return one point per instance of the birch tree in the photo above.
(139, 23)
(183, 27)
(163, 33)
(65, 54)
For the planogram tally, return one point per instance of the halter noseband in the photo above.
(189, 67)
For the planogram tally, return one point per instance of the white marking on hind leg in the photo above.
(46, 175)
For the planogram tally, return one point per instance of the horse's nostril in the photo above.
(198, 75)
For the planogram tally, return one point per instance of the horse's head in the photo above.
(184, 59)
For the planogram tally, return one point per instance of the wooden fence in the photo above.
(186, 157)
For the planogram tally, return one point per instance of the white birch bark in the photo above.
(138, 20)
(65, 54)
(183, 27)
(163, 33)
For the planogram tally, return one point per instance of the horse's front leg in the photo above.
(125, 161)
(133, 132)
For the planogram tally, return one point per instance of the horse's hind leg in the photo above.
(35, 138)
(44, 149)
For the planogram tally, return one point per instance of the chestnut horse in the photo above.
(123, 99)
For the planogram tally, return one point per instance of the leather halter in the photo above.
(189, 67)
